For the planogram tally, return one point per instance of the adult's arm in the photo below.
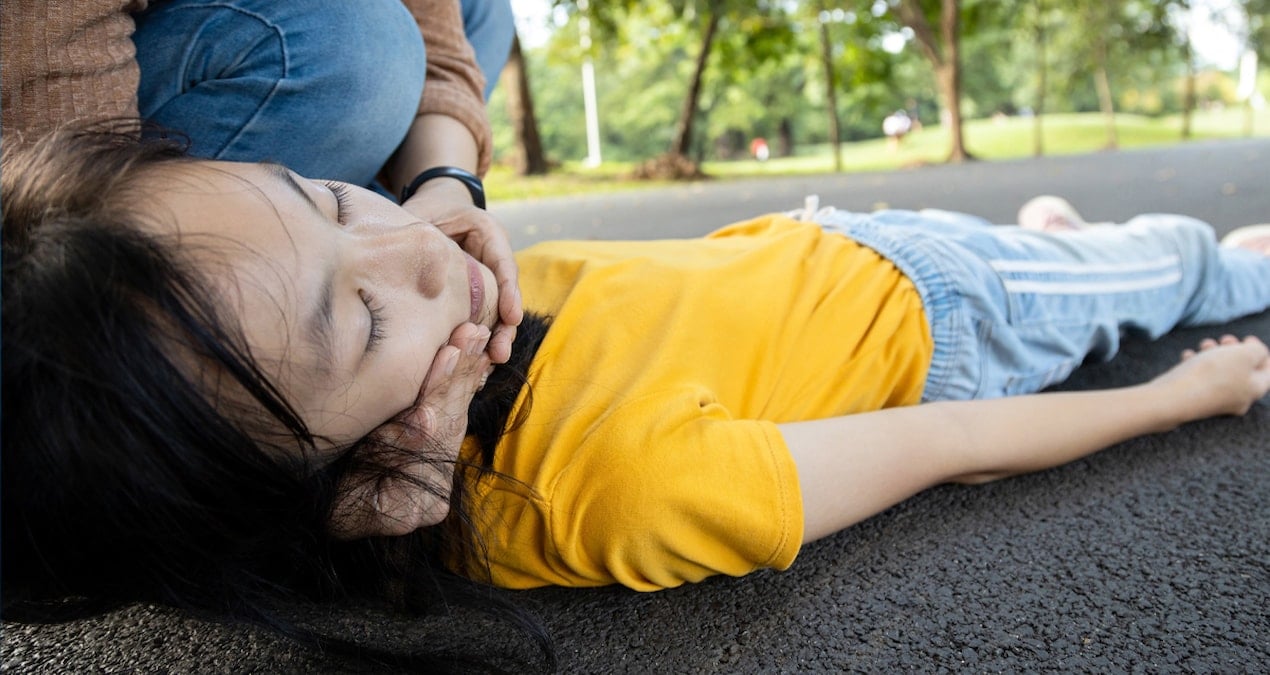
(66, 61)
(452, 129)
(454, 89)
(853, 467)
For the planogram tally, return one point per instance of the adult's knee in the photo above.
(328, 87)
(359, 69)
(363, 63)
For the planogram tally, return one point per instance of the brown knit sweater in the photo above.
(64, 61)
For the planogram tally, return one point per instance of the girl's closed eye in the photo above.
(376, 334)
(342, 199)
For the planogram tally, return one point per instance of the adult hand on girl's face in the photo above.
(434, 426)
(446, 204)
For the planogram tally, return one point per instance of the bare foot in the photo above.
(1048, 213)
(1253, 237)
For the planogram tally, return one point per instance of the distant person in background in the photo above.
(385, 92)
(896, 126)
(759, 149)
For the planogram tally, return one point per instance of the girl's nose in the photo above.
(409, 257)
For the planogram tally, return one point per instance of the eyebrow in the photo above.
(320, 325)
(283, 174)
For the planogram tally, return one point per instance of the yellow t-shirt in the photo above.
(650, 454)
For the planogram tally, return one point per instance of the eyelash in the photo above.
(342, 196)
(376, 321)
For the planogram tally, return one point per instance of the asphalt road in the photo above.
(1153, 556)
(1225, 183)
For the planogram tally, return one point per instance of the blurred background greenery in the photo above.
(682, 88)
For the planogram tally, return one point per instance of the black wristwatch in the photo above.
(469, 180)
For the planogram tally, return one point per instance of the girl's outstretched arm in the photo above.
(853, 467)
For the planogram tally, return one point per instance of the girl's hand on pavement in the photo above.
(1222, 377)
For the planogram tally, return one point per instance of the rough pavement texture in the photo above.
(1153, 556)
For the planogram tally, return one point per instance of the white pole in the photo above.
(588, 91)
(1247, 91)
(592, 115)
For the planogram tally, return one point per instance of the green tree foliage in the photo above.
(787, 82)
(1258, 16)
(749, 29)
(765, 74)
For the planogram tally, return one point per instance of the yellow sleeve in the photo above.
(666, 490)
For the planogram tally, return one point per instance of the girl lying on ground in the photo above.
(226, 382)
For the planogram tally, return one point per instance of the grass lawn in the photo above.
(987, 139)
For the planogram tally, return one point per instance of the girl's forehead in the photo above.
(235, 227)
(239, 205)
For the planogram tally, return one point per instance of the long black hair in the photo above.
(124, 478)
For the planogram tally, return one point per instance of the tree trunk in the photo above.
(1042, 81)
(699, 144)
(943, 52)
(1105, 102)
(1188, 89)
(831, 96)
(530, 159)
(785, 138)
(950, 76)
(682, 144)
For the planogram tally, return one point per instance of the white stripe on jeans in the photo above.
(1083, 268)
(1091, 287)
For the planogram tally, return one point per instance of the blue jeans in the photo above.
(326, 87)
(1013, 311)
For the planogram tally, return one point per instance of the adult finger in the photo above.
(428, 436)
(486, 241)
(481, 236)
